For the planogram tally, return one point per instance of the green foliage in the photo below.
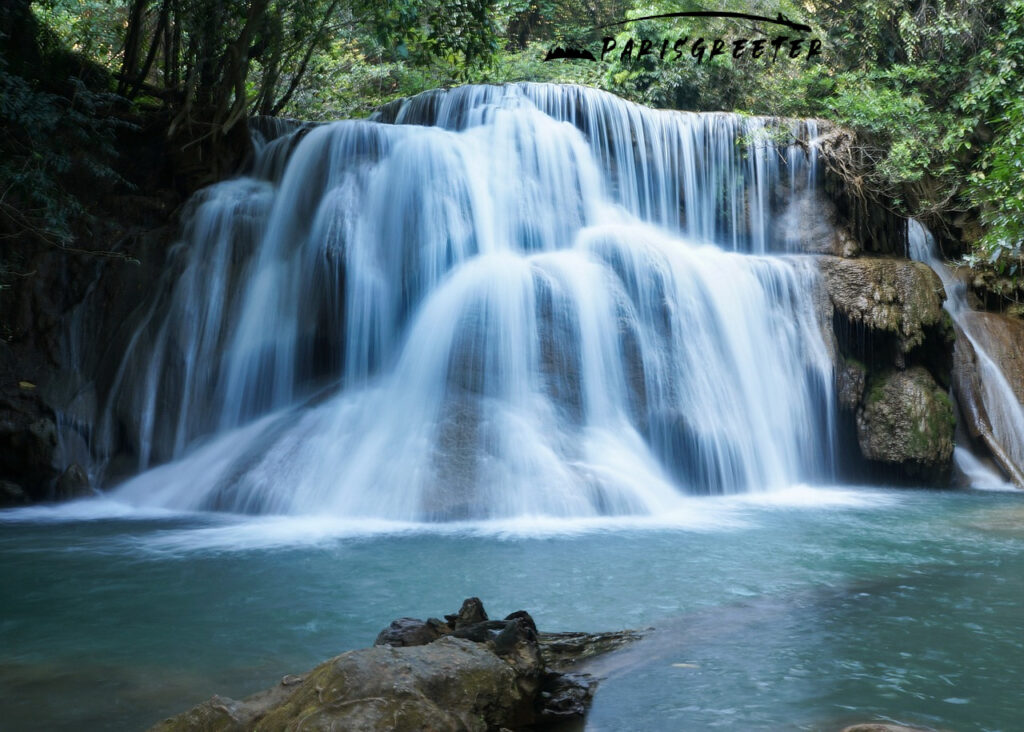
(92, 28)
(55, 144)
(997, 184)
(933, 88)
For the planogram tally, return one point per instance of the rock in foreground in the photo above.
(464, 673)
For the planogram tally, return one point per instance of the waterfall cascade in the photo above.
(486, 302)
(1004, 411)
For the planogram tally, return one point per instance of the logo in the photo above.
(769, 49)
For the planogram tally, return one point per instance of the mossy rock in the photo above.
(451, 683)
(907, 420)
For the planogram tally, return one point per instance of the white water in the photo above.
(1005, 412)
(516, 301)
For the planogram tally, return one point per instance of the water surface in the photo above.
(802, 609)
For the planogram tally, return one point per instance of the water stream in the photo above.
(1005, 412)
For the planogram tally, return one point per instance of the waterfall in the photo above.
(485, 302)
(1005, 412)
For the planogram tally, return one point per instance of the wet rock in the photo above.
(448, 683)
(471, 613)
(409, 632)
(72, 483)
(12, 494)
(565, 696)
(907, 421)
(851, 376)
(1003, 339)
(892, 345)
(562, 651)
(810, 223)
(893, 296)
(28, 441)
(451, 684)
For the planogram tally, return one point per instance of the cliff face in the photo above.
(50, 349)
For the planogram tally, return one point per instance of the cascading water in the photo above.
(1004, 412)
(486, 302)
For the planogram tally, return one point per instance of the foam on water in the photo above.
(178, 533)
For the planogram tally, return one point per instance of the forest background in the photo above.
(932, 90)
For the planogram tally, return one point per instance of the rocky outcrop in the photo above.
(886, 296)
(1002, 339)
(118, 253)
(892, 343)
(464, 673)
(867, 215)
(906, 421)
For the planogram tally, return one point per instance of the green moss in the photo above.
(939, 422)
(855, 363)
(876, 389)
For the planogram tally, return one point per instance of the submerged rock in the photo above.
(469, 673)
(907, 420)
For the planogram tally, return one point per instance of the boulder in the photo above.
(471, 613)
(892, 296)
(451, 684)
(409, 632)
(907, 421)
(469, 673)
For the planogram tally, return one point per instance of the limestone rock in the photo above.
(907, 421)
(451, 684)
(408, 632)
(1002, 339)
(851, 376)
(895, 296)
(73, 482)
(494, 677)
